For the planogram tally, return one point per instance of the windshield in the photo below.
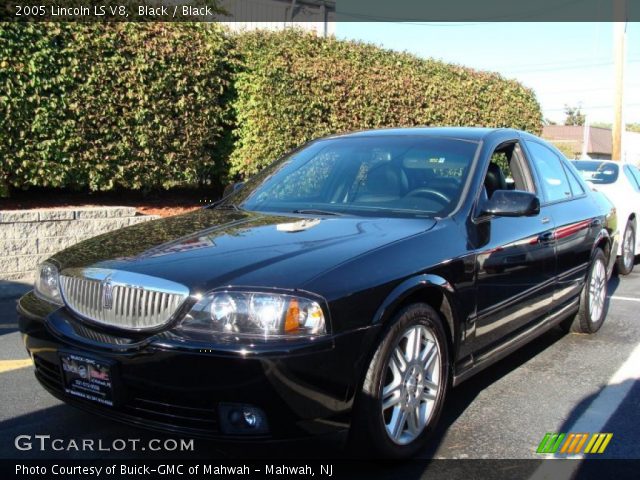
(597, 172)
(377, 175)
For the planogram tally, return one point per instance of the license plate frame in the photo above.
(88, 378)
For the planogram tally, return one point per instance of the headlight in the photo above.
(256, 314)
(47, 286)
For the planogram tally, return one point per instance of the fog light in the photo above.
(238, 419)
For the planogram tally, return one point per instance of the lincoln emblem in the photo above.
(107, 294)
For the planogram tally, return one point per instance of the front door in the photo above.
(516, 263)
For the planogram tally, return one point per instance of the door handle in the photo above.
(545, 238)
(545, 220)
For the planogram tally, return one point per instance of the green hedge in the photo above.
(129, 105)
(293, 87)
(157, 105)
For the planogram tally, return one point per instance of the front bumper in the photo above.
(170, 384)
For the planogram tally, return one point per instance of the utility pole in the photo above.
(585, 139)
(619, 38)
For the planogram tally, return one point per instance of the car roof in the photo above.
(596, 160)
(463, 133)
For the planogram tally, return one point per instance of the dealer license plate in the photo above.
(87, 378)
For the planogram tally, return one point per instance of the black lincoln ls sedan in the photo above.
(348, 286)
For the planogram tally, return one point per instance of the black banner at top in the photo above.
(320, 11)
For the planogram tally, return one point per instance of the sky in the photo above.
(564, 63)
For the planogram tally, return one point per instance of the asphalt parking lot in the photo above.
(558, 383)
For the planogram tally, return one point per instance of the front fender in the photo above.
(411, 286)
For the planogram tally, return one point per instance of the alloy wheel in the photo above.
(628, 253)
(597, 290)
(412, 384)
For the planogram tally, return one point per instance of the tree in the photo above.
(566, 149)
(574, 116)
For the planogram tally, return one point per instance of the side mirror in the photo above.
(511, 203)
(232, 187)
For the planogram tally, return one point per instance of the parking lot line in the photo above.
(596, 416)
(611, 396)
(628, 299)
(9, 365)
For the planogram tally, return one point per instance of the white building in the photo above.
(571, 140)
(631, 147)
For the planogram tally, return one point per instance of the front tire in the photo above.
(591, 313)
(627, 259)
(405, 386)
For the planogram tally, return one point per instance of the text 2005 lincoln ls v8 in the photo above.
(347, 286)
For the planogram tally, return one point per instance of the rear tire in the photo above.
(625, 261)
(404, 388)
(593, 299)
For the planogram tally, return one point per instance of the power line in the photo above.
(580, 61)
(533, 14)
(599, 89)
(560, 67)
(584, 60)
(591, 107)
(358, 16)
(567, 67)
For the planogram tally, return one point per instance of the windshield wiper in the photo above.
(312, 211)
(224, 206)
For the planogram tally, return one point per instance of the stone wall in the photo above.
(28, 237)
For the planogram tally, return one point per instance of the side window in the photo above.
(553, 178)
(576, 187)
(633, 174)
(508, 170)
(501, 159)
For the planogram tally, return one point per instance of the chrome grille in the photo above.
(121, 299)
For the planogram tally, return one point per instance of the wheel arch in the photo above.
(633, 219)
(602, 241)
(427, 288)
(625, 217)
(605, 242)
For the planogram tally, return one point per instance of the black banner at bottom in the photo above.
(321, 469)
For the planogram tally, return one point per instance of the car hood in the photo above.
(211, 248)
